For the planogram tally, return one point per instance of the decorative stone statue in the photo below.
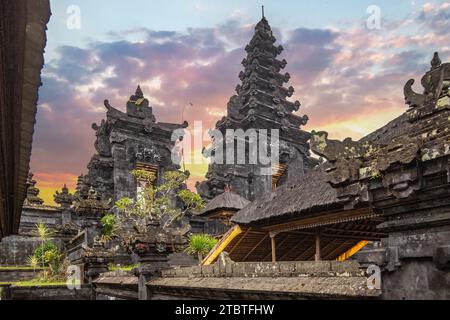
(64, 198)
(102, 143)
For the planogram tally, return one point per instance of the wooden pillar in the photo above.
(272, 242)
(317, 255)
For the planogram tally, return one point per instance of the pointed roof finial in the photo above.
(139, 93)
(436, 62)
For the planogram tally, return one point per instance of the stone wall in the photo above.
(116, 285)
(260, 280)
(17, 274)
(15, 250)
(49, 216)
(418, 280)
(268, 269)
(45, 293)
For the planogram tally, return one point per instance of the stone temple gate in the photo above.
(126, 141)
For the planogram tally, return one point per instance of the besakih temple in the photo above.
(308, 230)
(391, 188)
(381, 201)
(261, 103)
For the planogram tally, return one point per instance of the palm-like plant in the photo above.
(200, 244)
(33, 261)
(44, 234)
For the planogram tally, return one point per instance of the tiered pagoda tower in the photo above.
(261, 103)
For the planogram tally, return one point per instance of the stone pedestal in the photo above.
(150, 266)
(95, 266)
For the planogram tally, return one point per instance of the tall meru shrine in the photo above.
(329, 212)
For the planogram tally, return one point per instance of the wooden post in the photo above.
(317, 255)
(272, 242)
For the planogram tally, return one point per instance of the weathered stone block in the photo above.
(168, 272)
(216, 270)
(312, 267)
(239, 269)
(267, 269)
(287, 268)
(184, 272)
(442, 257)
(249, 269)
(196, 271)
(207, 271)
(372, 256)
(350, 266)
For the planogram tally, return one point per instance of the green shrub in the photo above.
(109, 227)
(200, 244)
(40, 252)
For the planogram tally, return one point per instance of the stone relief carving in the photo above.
(102, 143)
(435, 83)
(148, 154)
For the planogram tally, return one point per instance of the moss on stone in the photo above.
(20, 268)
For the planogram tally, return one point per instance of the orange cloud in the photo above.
(48, 183)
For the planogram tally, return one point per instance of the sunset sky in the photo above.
(348, 77)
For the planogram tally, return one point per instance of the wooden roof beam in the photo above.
(359, 232)
(239, 241)
(338, 236)
(339, 248)
(301, 242)
(256, 246)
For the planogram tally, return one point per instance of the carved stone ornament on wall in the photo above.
(435, 83)
(102, 143)
(149, 154)
(402, 150)
(402, 183)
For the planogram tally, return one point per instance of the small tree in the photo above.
(155, 201)
(200, 244)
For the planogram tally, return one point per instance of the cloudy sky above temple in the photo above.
(348, 77)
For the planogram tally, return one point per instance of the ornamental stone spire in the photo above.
(32, 192)
(64, 198)
(139, 107)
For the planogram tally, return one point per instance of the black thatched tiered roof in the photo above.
(308, 193)
(394, 128)
(311, 193)
(229, 200)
